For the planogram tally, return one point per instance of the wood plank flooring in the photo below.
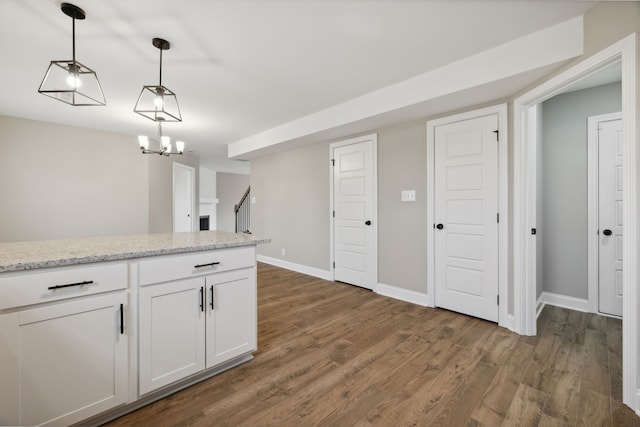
(331, 354)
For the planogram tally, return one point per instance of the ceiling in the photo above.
(243, 67)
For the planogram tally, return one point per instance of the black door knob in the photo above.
(439, 226)
(607, 232)
(367, 222)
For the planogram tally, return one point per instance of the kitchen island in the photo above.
(93, 328)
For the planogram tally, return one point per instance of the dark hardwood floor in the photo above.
(330, 354)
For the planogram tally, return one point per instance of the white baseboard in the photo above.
(637, 408)
(299, 268)
(402, 294)
(539, 305)
(572, 303)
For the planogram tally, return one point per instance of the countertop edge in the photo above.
(67, 261)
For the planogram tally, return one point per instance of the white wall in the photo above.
(66, 182)
(564, 180)
(208, 195)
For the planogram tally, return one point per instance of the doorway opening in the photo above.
(526, 135)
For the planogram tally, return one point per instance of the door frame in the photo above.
(524, 176)
(192, 178)
(365, 138)
(593, 207)
(504, 319)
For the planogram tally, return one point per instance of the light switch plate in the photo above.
(408, 195)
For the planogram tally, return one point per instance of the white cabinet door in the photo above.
(172, 322)
(63, 363)
(231, 315)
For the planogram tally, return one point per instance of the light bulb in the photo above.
(180, 146)
(143, 140)
(158, 101)
(73, 79)
(166, 142)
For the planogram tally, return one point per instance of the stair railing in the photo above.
(243, 213)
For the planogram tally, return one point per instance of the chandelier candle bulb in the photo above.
(180, 146)
(166, 142)
(143, 140)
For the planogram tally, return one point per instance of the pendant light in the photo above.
(70, 81)
(164, 142)
(157, 102)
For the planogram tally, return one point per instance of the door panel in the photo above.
(610, 216)
(75, 347)
(171, 332)
(183, 195)
(466, 206)
(231, 315)
(354, 240)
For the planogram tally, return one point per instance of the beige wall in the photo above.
(230, 187)
(66, 182)
(292, 205)
(161, 190)
(276, 181)
(402, 233)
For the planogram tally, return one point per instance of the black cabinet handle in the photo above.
(212, 303)
(607, 232)
(367, 222)
(121, 319)
(86, 282)
(201, 298)
(211, 264)
(439, 226)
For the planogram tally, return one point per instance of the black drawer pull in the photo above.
(211, 264)
(86, 282)
(121, 319)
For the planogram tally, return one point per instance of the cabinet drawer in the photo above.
(163, 269)
(28, 288)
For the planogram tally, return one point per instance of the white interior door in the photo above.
(610, 216)
(466, 216)
(183, 197)
(355, 251)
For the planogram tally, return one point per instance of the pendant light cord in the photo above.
(160, 65)
(73, 36)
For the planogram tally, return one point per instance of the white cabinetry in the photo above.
(202, 318)
(63, 344)
(171, 333)
(231, 315)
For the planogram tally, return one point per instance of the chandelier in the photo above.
(164, 143)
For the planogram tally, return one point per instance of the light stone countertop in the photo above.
(54, 253)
